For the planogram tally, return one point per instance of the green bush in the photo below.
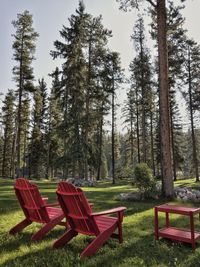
(144, 179)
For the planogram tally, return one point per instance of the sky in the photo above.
(50, 15)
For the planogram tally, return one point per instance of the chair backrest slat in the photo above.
(31, 201)
(76, 208)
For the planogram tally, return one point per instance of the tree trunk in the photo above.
(113, 135)
(164, 108)
(48, 160)
(173, 149)
(100, 147)
(66, 119)
(88, 108)
(4, 153)
(152, 145)
(144, 157)
(137, 127)
(132, 137)
(195, 160)
(14, 145)
(18, 174)
(24, 152)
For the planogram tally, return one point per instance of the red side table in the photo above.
(177, 234)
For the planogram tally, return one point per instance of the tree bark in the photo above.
(194, 149)
(100, 146)
(152, 145)
(173, 149)
(144, 157)
(164, 108)
(137, 127)
(113, 134)
(132, 138)
(19, 113)
(4, 153)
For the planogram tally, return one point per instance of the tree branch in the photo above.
(152, 3)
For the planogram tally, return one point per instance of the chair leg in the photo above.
(19, 227)
(46, 228)
(97, 242)
(120, 232)
(65, 238)
(118, 235)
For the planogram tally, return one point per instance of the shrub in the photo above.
(144, 179)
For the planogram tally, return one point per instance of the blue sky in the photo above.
(49, 16)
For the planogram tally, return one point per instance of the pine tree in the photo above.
(129, 113)
(24, 48)
(192, 79)
(164, 109)
(115, 77)
(36, 136)
(83, 93)
(175, 38)
(74, 80)
(54, 131)
(104, 167)
(37, 146)
(141, 78)
(96, 41)
(25, 119)
(8, 121)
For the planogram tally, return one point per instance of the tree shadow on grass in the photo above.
(133, 252)
(139, 248)
(13, 242)
(45, 257)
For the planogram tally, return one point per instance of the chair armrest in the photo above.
(115, 210)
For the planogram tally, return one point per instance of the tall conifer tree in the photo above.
(24, 48)
(8, 120)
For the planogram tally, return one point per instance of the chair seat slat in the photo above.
(77, 217)
(31, 207)
(70, 193)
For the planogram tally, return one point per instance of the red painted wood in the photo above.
(35, 209)
(192, 230)
(177, 209)
(178, 234)
(183, 235)
(79, 215)
(109, 211)
(156, 222)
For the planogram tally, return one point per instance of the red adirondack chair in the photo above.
(82, 220)
(35, 209)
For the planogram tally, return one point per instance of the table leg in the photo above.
(192, 230)
(167, 219)
(156, 222)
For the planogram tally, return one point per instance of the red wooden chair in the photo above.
(82, 220)
(35, 209)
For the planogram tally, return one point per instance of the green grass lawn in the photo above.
(138, 248)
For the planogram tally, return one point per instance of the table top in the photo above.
(177, 209)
